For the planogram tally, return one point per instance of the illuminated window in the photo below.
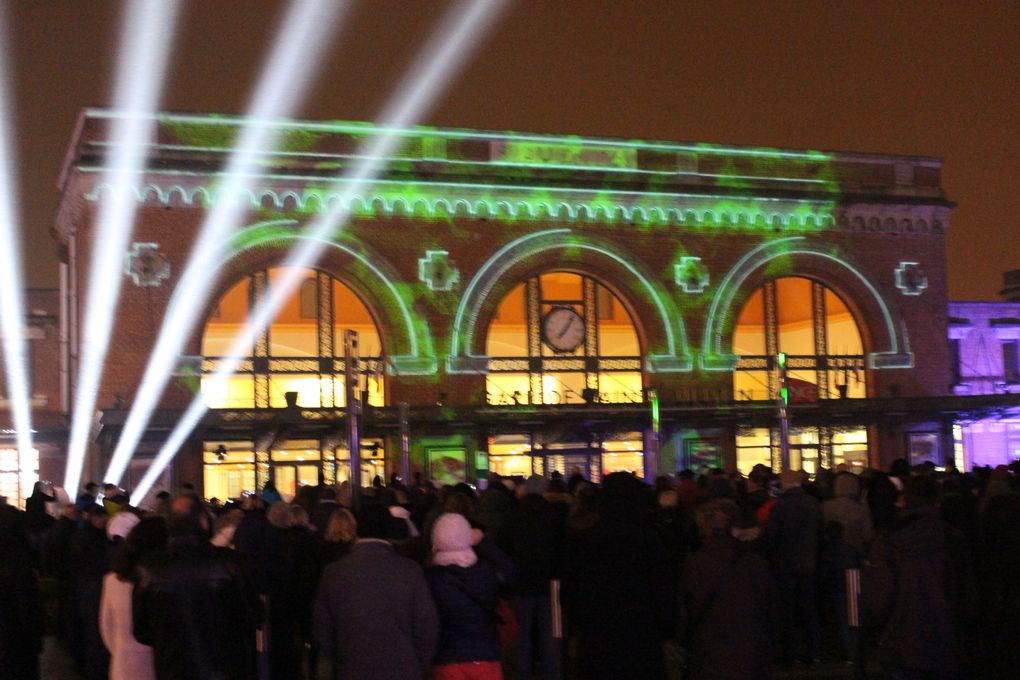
(18, 475)
(811, 448)
(824, 359)
(1010, 361)
(309, 299)
(229, 469)
(954, 360)
(813, 327)
(562, 338)
(302, 349)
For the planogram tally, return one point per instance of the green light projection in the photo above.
(691, 274)
(552, 181)
(420, 358)
(513, 203)
(677, 357)
(438, 271)
(714, 358)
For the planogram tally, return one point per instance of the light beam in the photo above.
(146, 37)
(12, 308)
(457, 35)
(287, 76)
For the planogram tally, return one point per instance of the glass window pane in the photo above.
(561, 286)
(290, 333)
(841, 329)
(507, 388)
(237, 391)
(621, 388)
(796, 327)
(508, 333)
(308, 389)
(617, 334)
(851, 447)
(226, 321)
(349, 312)
(228, 471)
(753, 447)
(750, 385)
(749, 334)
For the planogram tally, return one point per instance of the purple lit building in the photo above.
(985, 353)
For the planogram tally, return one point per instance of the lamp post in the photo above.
(353, 412)
(784, 417)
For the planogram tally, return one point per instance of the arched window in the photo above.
(302, 349)
(561, 338)
(811, 324)
(301, 352)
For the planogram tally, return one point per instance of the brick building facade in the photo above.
(836, 260)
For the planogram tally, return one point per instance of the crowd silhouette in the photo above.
(711, 575)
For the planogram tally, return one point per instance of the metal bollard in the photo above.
(854, 616)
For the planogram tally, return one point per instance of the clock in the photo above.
(563, 329)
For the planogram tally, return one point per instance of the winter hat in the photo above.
(451, 541)
(121, 525)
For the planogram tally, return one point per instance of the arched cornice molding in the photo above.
(890, 343)
(407, 336)
(666, 350)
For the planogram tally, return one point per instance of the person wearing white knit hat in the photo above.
(451, 541)
(464, 577)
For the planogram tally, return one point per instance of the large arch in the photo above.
(889, 343)
(407, 337)
(663, 335)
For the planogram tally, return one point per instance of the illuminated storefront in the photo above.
(523, 302)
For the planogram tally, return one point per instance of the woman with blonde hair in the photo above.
(341, 532)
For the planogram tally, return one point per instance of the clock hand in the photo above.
(566, 328)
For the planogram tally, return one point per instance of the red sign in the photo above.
(802, 391)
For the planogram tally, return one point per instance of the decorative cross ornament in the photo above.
(438, 271)
(146, 265)
(910, 278)
(691, 275)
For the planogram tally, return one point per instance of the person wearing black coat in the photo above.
(918, 590)
(792, 540)
(89, 557)
(21, 606)
(999, 578)
(535, 541)
(617, 595)
(194, 606)
(729, 605)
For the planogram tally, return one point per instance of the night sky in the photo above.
(919, 77)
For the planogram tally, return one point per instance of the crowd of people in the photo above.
(714, 576)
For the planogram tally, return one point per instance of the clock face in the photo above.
(563, 329)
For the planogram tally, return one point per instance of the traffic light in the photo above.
(784, 389)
